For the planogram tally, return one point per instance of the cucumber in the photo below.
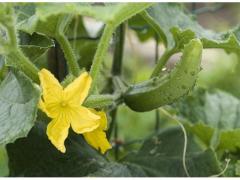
(159, 91)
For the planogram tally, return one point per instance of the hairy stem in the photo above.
(12, 34)
(68, 53)
(24, 64)
(100, 54)
(16, 56)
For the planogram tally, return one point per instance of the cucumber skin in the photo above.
(157, 92)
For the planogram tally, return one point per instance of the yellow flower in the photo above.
(97, 138)
(64, 106)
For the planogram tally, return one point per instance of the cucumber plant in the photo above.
(196, 134)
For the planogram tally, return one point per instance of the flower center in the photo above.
(63, 104)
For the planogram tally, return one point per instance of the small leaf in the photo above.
(18, 106)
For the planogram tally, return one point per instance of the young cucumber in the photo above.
(160, 91)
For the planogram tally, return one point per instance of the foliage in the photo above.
(188, 130)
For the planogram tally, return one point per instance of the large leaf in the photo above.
(110, 13)
(114, 169)
(160, 16)
(161, 155)
(47, 15)
(36, 156)
(212, 112)
(18, 106)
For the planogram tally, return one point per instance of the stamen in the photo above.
(63, 104)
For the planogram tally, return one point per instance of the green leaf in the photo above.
(18, 106)
(210, 112)
(24, 10)
(4, 171)
(143, 30)
(50, 27)
(34, 45)
(36, 156)
(170, 29)
(161, 155)
(110, 13)
(47, 17)
(114, 169)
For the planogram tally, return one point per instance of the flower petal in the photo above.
(41, 105)
(83, 120)
(57, 132)
(98, 140)
(77, 91)
(103, 119)
(52, 92)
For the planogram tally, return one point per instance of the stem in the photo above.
(113, 114)
(75, 31)
(118, 52)
(116, 141)
(116, 71)
(100, 53)
(23, 63)
(155, 26)
(162, 61)
(224, 170)
(185, 139)
(157, 115)
(10, 26)
(15, 56)
(68, 53)
(100, 101)
(12, 36)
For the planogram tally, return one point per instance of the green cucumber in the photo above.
(159, 91)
